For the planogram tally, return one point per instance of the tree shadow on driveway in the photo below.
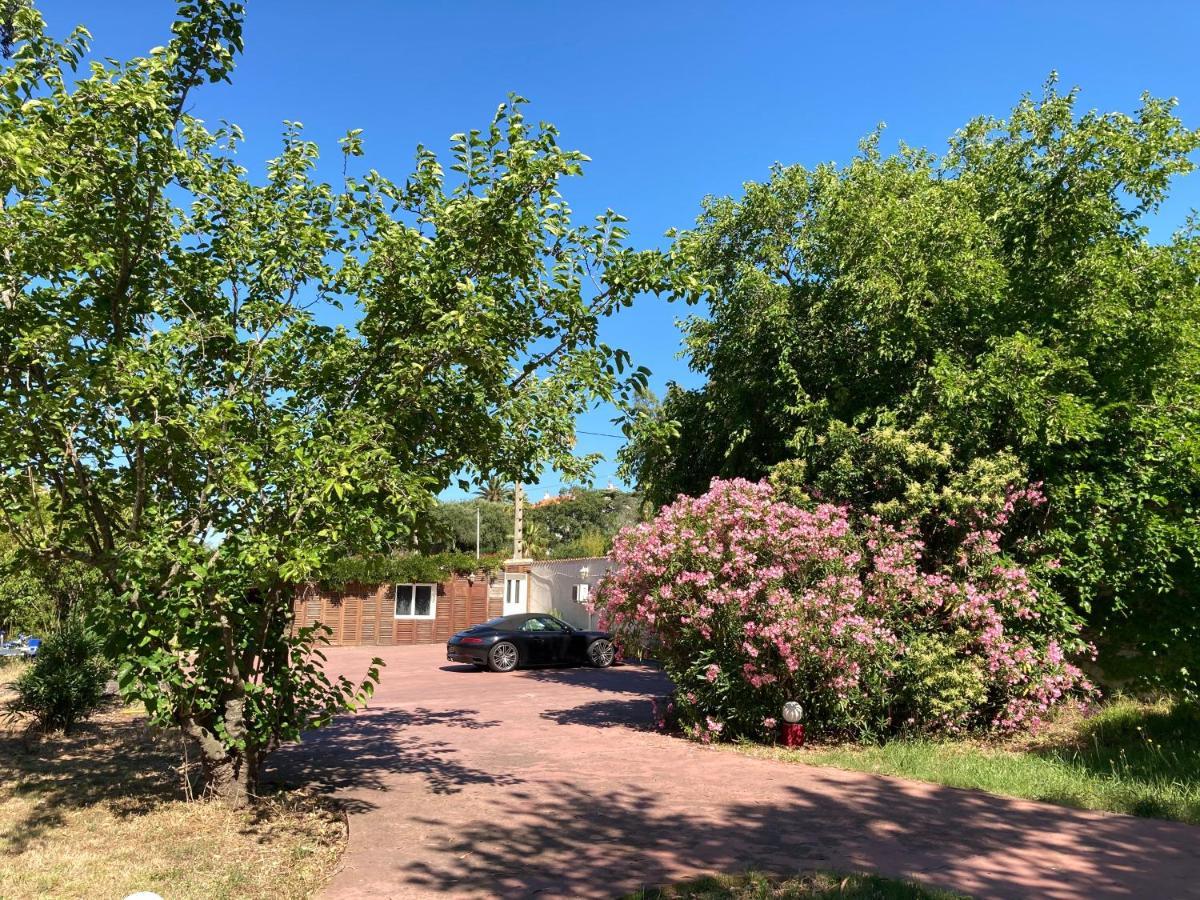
(637, 714)
(604, 844)
(359, 753)
(639, 679)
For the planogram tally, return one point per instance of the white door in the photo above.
(514, 594)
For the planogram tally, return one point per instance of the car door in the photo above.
(557, 637)
(533, 636)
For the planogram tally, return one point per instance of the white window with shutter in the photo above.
(416, 601)
(581, 592)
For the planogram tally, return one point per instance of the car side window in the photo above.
(534, 625)
(551, 624)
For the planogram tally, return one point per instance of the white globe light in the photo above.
(793, 712)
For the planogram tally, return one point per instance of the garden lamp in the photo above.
(791, 732)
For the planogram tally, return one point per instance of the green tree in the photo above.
(166, 376)
(581, 511)
(39, 596)
(495, 490)
(581, 523)
(452, 527)
(591, 542)
(909, 333)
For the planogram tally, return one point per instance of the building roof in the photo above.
(570, 559)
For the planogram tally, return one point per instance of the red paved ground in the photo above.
(549, 782)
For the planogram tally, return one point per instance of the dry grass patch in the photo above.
(11, 668)
(98, 814)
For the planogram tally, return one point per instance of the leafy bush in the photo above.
(751, 601)
(66, 681)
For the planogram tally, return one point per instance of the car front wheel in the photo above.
(601, 654)
(503, 657)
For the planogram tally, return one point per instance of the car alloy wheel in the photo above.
(601, 653)
(503, 657)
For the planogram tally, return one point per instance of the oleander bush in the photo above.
(750, 600)
(66, 682)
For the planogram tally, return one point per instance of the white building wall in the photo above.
(552, 585)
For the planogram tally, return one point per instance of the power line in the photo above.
(619, 437)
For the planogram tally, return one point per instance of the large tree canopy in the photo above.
(176, 409)
(911, 332)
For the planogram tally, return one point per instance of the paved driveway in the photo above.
(550, 783)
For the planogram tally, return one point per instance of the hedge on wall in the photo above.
(406, 568)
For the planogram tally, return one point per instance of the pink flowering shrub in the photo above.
(751, 601)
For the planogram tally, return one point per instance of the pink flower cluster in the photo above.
(751, 601)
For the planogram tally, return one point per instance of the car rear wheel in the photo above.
(601, 653)
(503, 657)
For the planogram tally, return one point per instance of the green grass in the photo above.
(1130, 757)
(756, 886)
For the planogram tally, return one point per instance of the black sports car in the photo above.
(529, 639)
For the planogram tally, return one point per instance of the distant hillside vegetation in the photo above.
(577, 523)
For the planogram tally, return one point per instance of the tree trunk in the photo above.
(228, 780)
(228, 775)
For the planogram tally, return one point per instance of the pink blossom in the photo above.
(822, 602)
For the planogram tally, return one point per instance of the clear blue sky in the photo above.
(672, 100)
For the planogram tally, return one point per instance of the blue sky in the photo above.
(671, 100)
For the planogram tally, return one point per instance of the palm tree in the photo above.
(495, 490)
(537, 540)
